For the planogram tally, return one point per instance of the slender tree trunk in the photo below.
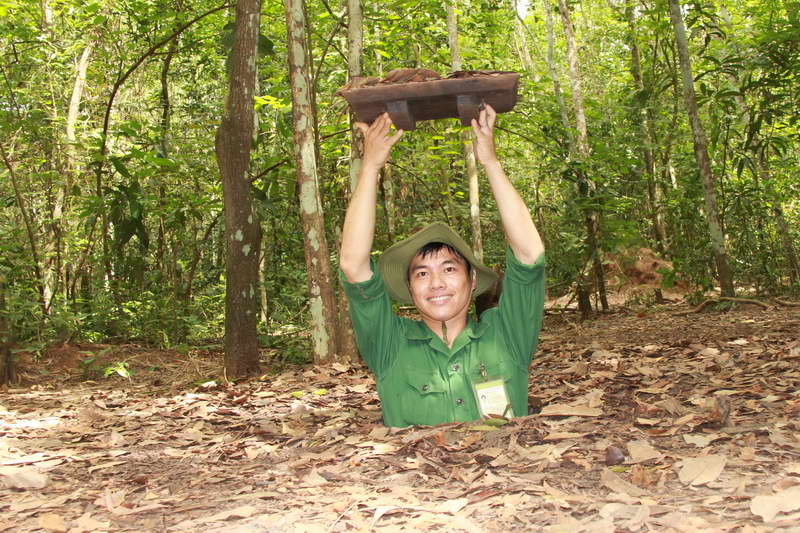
(585, 184)
(54, 270)
(701, 154)
(242, 228)
(551, 68)
(7, 369)
(521, 42)
(788, 246)
(264, 265)
(29, 229)
(642, 109)
(346, 338)
(466, 137)
(164, 143)
(387, 178)
(355, 49)
(321, 295)
(646, 133)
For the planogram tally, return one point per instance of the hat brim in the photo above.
(393, 263)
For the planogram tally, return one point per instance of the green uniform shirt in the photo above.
(422, 381)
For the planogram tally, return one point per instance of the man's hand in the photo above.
(377, 141)
(483, 128)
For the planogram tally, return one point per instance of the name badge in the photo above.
(492, 398)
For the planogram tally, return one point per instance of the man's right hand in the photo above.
(377, 141)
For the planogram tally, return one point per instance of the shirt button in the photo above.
(426, 388)
(456, 368)
(459, 401)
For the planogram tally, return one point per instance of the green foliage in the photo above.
(136, 250)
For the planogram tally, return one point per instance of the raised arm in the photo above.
(359, 221)
(520, 231)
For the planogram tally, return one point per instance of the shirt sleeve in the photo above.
(374, 322)
(521, 306)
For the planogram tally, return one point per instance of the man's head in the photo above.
(441, 281)
(436, 243)
(433, 248)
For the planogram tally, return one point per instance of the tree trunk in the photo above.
(466, 137)
(642, 109)
(586, 185)
(701, 154)
(262, 292)
(551, 68)
(242, 228)
(29, 228)
(646, 133)
(387, 178)
(321, 295)
(788, 246)
(347, 347)
(7, 370)
(521, 43)
(56, 273)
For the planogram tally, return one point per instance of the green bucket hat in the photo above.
(393, 263)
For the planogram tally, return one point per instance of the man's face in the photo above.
(440, 285)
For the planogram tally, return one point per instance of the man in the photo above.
(446, 367)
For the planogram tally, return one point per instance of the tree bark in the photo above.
(646, 133)
(7, 369)
(521, 42)
(321, 295)
(55, 276)
(700, 142)
(642, 109)
(788, 246)
(29, 229)
(242, 228)
(586, 185)
(553, 71)
(466, 137)
(387, 177)
(347, 347)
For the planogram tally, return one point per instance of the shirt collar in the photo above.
(420, 331)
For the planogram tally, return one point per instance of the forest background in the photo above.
(125, 211)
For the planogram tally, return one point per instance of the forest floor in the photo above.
(649, 421)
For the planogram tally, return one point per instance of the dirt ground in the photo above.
(645, 420)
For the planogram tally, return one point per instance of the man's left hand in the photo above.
(483, 128)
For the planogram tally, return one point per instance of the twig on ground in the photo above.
(723, 299)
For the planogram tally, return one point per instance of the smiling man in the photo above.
(446, 367)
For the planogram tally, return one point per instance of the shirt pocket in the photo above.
(423, 399)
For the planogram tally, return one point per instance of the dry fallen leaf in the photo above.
(617, 484)
(701, 441)
(52, 522)
(769, 506)
(569, 410)
(88, 524)
(701, 470)
(23, 478)
(452, 506)
(641, 451)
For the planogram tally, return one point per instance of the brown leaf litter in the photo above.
(649, 423)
